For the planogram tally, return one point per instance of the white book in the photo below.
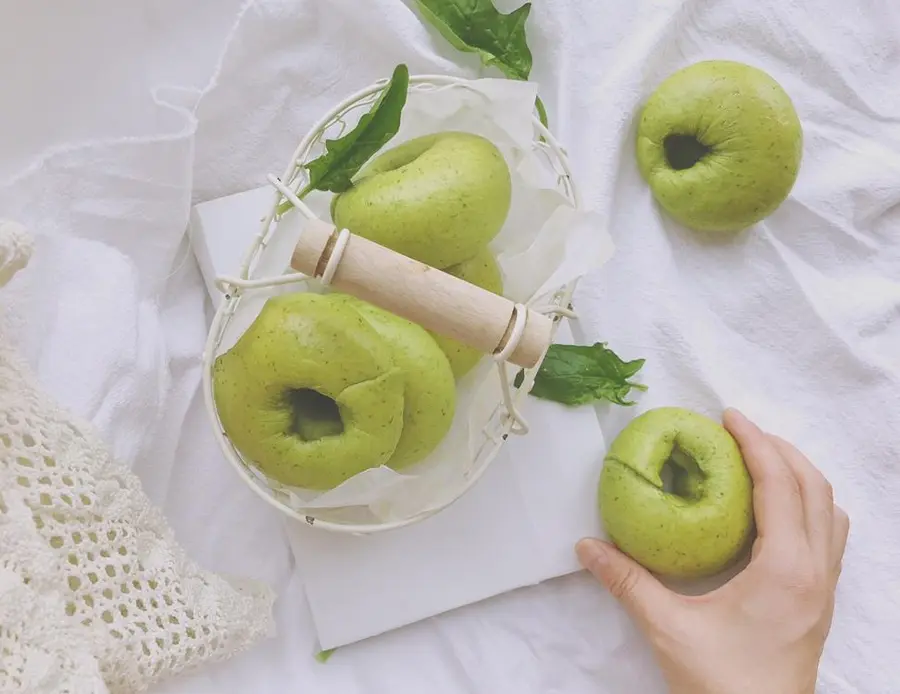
(516, 527)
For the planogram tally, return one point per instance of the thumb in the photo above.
(642, 596)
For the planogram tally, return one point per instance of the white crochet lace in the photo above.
(40, 650)
(93, 587)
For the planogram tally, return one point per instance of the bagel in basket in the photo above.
(322, 387)
(310, 393)
(429, 389)
(438, 198)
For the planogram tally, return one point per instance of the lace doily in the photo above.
(40, 650)
(15, 249)
(92, 579)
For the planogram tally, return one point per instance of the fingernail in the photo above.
(739, 419)
(735, 414)
(591, 552)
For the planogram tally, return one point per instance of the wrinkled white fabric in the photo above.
(797, 320)
(95, 592)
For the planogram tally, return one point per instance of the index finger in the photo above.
(777, 504)
(817, 496)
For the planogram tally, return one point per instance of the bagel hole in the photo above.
(683, 151)
(682, 476)
(316, 416)
(398, 159)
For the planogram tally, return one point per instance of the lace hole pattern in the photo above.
(125, 582)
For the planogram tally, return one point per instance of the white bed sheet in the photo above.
(117, 116)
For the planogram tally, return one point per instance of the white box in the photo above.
(516, 527)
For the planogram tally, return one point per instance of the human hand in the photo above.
(764, 630)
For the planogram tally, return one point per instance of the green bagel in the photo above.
(720, 144)
(437, 198)
(310, 393)
(429, 389)
(703, 524)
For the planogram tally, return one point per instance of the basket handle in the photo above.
(434, 299)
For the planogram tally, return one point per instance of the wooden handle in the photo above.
(434, 299)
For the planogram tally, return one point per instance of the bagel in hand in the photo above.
(702, 523)
(310, 393)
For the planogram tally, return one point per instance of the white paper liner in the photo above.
(545, 243)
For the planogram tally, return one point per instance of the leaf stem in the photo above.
(323, 656)
(542, 112)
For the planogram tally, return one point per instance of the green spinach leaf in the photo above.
(581, 374)
(477, 26)
(345, 156)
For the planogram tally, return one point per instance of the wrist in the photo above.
(744, 687)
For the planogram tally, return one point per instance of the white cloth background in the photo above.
(116, 116)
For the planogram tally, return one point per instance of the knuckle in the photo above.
(782, 473)
(623, 585)
(807, 593)
(804, 583)
(798, 578)
(792, 488)
(808, 587)
(838, 571)
(781, 481)
(842, 518)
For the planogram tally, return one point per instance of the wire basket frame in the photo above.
(505, 418)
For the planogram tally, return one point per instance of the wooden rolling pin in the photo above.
(434, 299)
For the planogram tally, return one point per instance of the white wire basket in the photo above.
(505, 419)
